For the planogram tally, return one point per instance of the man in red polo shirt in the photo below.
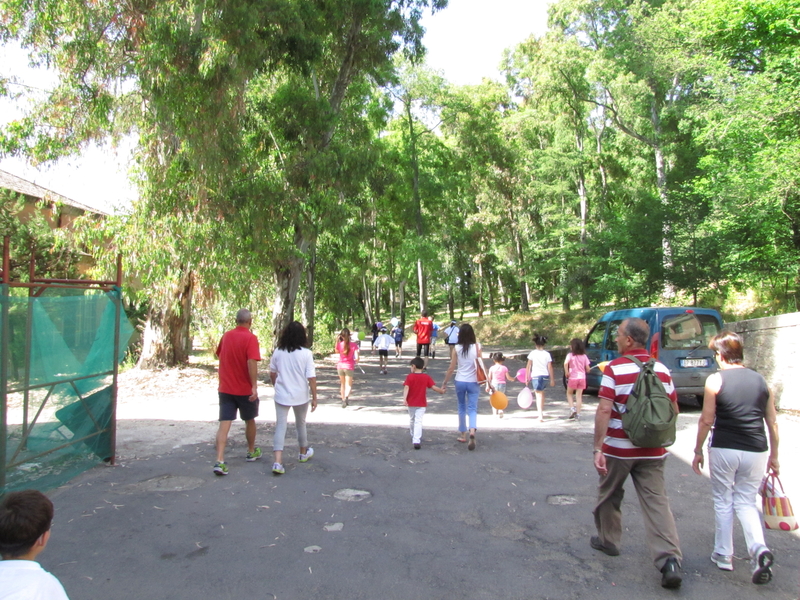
(615, 457)
(238, 355)
(424, 328)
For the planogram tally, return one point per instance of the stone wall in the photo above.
(772, 347)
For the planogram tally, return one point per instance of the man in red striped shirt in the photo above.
(615, 457)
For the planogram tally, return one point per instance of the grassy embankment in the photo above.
(516, 330)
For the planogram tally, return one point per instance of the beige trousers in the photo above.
(659, 524)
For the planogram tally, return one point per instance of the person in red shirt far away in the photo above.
(415, 390)
(615, 457)
(424, 329)
(238, 355)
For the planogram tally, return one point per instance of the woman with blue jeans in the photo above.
(463, 363)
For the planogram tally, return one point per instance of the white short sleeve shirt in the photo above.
(293, 369)
(27, 580)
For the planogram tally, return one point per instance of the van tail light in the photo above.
(654, 343)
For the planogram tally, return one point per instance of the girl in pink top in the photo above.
(498, 375)
(576, 366)
(348, 359)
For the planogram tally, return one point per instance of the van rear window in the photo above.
(688, 331)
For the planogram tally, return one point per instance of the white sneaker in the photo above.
(277, 469)
(304, 457)
(762, 563)
(723, 562)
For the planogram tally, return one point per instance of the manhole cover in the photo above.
(167, 483)
(351, 495)
(561, 500)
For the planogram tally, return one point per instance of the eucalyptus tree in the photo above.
(750, 129)
(180, 75)
(474, 121)
(549, 76)
(643, 77)
(418, 95)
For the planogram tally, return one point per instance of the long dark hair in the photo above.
(466, 337)
(293, 337)
(345, 337)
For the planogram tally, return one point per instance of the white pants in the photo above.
(735, 478)
(415, 414)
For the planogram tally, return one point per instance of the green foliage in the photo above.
(55, 253)
(642, 151)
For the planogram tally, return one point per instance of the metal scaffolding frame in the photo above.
(36, 286)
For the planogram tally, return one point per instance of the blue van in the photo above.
(678, 338)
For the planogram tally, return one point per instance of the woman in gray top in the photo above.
(736, 404)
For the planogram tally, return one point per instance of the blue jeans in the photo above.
(467, 393)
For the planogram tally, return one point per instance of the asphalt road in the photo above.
(510, 520)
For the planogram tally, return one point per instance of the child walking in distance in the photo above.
(498, 375)
(576, 366)
(348, 359)
(415, 389)
(383, 342)
(25, 519)
(540, 372)
(397, 334)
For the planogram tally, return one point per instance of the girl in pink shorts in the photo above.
(497, 376)
(576, 366)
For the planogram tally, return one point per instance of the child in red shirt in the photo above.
(415, 389)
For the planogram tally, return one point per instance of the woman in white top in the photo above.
(292, 372)
(465, 356)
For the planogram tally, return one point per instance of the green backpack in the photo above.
(650, 417)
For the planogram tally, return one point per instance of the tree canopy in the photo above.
(302, 155)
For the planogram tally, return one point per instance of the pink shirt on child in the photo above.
(346, 361)
(497, 374)
(577, 365)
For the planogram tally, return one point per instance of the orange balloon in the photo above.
(602, 366)
(498, 400)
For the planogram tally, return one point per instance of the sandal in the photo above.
(471, 442)
(462, 439)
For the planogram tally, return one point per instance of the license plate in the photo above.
(693, 362)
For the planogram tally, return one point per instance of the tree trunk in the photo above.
(288, 273)
(524, 304)
(287, 282)
(451, 302)
(377, 299)
(423, 286)
(166, 341)
(308, 312)
(402, 302)
(480, 289)
(491, 289)
(369, 317)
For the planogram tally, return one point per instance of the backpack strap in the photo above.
(621, 408)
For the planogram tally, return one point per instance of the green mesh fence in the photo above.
(57, 362)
